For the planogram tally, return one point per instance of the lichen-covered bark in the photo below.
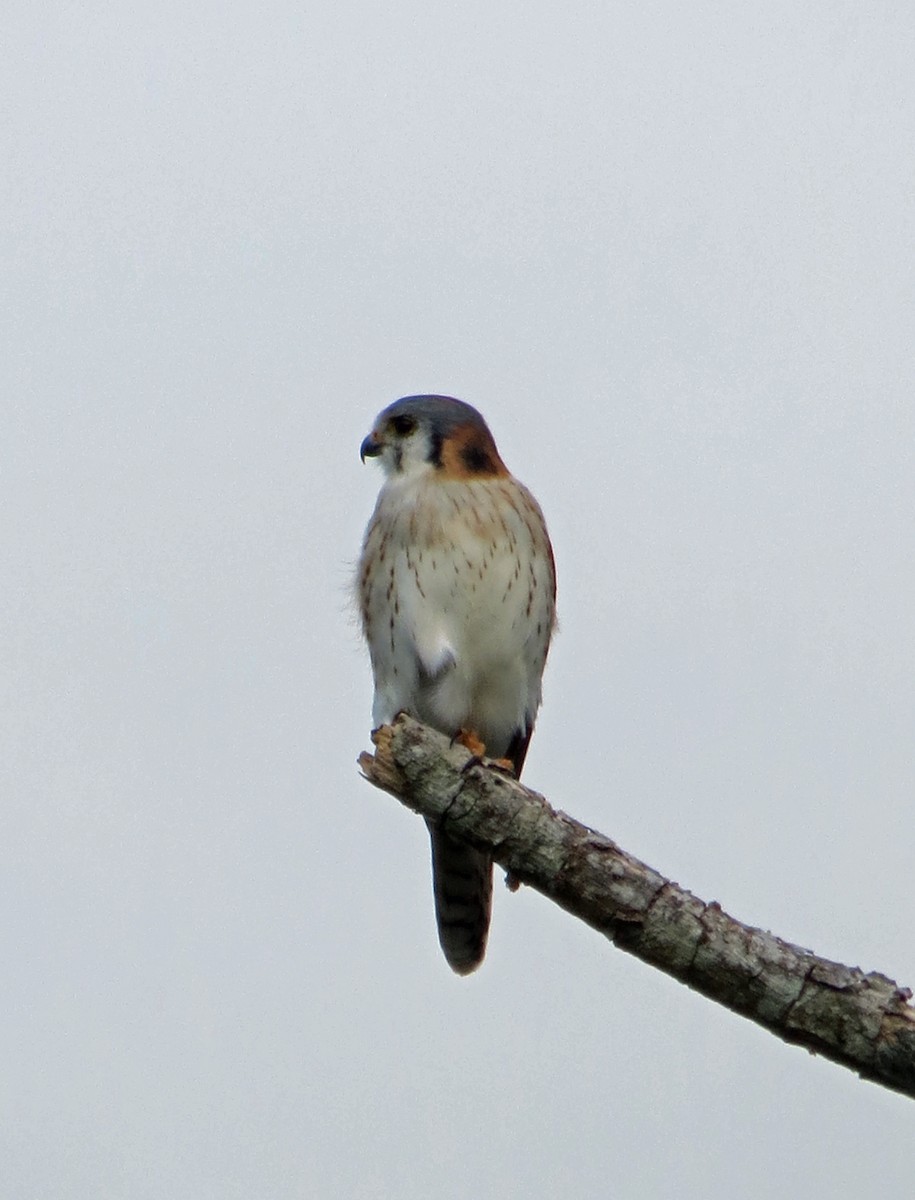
(864, 1022)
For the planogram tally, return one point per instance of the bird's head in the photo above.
(437, 434)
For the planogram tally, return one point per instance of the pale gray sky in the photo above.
(668, 251)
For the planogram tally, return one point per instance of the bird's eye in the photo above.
(403, 425)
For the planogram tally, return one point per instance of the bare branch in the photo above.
(864, 1022)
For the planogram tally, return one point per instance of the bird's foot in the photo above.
(505, 765)
(470, 741)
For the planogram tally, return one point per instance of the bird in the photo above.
(456, 588)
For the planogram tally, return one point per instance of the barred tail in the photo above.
(462, 884)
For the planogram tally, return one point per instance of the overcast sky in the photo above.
(669, 251)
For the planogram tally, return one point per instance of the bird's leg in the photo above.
(470, 741)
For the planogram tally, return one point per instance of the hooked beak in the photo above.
(371, 447)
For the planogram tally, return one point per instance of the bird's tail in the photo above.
(462, 884)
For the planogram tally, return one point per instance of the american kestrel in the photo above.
(457, 590)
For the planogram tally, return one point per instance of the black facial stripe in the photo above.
(476, 459)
